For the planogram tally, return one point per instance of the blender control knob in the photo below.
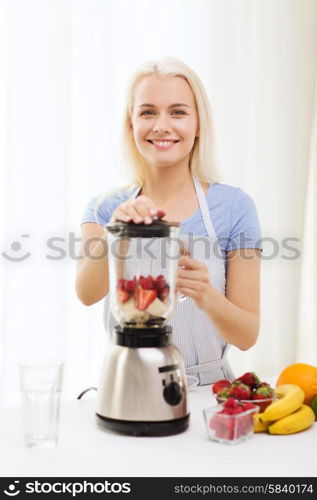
(172, 393)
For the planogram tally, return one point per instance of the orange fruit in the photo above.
(303, 375)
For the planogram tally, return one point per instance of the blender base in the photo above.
(157, 428)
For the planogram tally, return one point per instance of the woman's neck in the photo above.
(163, 185)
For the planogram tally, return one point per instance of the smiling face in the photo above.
(164, 120)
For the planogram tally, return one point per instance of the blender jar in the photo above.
(143, 261)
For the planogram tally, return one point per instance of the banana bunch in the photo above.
(287, 414)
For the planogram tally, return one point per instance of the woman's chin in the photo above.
(166, 163)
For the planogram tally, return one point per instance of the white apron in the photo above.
(202, 348)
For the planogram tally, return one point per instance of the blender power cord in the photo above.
(86, 390)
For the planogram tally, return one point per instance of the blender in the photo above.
(143, 386)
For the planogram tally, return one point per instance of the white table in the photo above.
(84, 449)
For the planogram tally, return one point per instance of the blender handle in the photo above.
(180, 297)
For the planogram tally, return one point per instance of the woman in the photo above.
(168, 145)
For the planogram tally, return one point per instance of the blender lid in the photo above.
(158, 229)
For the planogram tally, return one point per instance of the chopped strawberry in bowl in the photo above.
(230, 422)
(247, 389)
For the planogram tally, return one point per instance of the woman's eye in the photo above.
(179, 112)
(147, 112)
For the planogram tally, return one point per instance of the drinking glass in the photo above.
(41, 385)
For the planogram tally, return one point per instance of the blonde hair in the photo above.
(202, 162)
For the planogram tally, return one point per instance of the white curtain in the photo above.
(64, 67)
(307, 318)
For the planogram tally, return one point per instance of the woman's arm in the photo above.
(236, 315)
(92, 270)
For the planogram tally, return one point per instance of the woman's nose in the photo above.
(161, 125)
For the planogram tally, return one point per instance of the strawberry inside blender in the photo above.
(144, 299)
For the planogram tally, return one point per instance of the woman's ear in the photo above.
(131, 128)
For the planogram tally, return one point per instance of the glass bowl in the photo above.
(229, 429)
(261, 403)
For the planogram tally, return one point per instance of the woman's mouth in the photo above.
(163, 144)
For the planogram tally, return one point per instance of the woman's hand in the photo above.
(139, 210)
(193, 280)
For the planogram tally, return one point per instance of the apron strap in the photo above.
(204, 209)
(211, 365)
(135, 192)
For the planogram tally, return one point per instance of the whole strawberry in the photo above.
(230, 403)
(219, 385)
(232, 407)
(263, 384)
(249, 406)
(225, 393)
(264, 392)
(263, 397)
(241, 391)
(250, 379)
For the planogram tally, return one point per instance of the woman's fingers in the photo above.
(189, 263)
(189, 292)
(126, 213)
(190, 283)
(139, 210)
(160, 213)
(145, 208)
(197, 275)
(185, 252)
(192, 276)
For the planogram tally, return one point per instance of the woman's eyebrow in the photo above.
(148, 105)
